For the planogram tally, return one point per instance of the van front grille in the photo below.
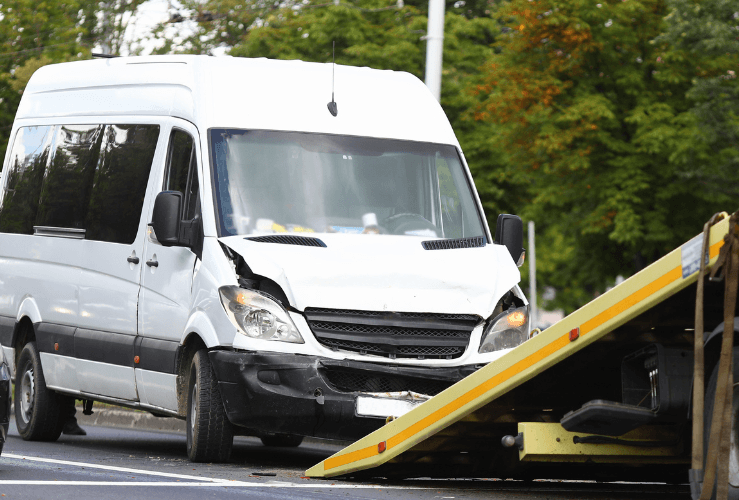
(389, 330)
(391, 334)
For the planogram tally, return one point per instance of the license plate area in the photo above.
(383, 407)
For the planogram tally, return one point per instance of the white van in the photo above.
(204, 238)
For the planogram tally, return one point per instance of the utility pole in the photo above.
(532, 277)
(435, 47)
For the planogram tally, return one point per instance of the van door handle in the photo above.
(152, 263)
(133, 260)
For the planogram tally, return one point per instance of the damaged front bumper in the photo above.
(319, 397)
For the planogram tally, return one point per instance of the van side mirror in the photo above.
(509, 232)
(166, 217)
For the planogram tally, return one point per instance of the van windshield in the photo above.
(274, 182)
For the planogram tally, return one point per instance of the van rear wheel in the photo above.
(209, 432)
(38, 412)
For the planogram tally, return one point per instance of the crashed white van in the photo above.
(221, 240)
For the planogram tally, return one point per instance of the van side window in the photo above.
(178, 161)
(181, 174)
(28, 160)
(451, 212)
(65, 194)
(192, 206)
(119, 183)
(458, 215)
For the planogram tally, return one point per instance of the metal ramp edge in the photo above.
(640, 292)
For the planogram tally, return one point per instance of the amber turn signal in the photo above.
(516, 319)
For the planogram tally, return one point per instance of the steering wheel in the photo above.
(407, 221)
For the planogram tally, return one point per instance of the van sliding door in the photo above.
(111, 258)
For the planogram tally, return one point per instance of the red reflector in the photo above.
(574, 334)
(382, 447)
(56, 346)
(136, 359)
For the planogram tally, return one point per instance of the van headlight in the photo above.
(507, 330)
(258, 316)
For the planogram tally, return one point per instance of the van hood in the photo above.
(383, 273)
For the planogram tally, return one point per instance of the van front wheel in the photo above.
(209, 432)
(38, 414)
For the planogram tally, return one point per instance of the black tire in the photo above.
(209, 432)
(282, 440)
(38, 414)
(708, 416)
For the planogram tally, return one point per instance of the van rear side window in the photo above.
(28, 160)
(90, 177)
(65, 194)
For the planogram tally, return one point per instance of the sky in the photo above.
(148, 15)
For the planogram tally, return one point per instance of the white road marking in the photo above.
(121, 483)
(224, 484)
(113, 468)
(192, 480)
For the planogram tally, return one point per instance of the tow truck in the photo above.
(635, 385)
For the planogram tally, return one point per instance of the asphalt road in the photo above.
(112, 463)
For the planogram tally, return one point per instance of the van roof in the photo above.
(230, 92)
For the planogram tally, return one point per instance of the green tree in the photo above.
(104, 23)
(33, 34)
(707, 34)
(223, 24)
(28, 30)
(599, 142)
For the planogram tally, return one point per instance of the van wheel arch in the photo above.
(23, 333)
